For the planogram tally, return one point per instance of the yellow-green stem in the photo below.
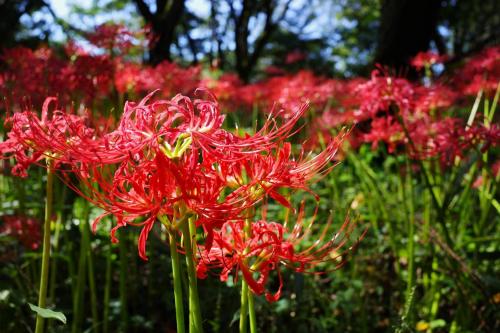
(107, 292)
(247, 301)
(251, 312)
(244, 306)
(93, 292)
(123, 282)
(55, 246)
(195, 322)
(79, 295)
(411, 236)
(44, 277)
(176, 273)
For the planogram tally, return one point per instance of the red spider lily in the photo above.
(481, 72)
(380, 93)
(450, 138)
(304, 87)
(32, 74)
(494, 171)
(25, 229)
(168, 77)
(272, 70)
(91, 76)
(127, 76)
(112, 37)
(267, 247)
(295, 56)
(435, 97)
(169, 153)
(31, 138)
(37, 74)
(427, 59)
(227, 89)
(384, 129)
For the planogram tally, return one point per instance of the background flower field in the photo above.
(349, 187)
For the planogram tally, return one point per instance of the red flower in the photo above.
(270, 246)
(32, 138)
(25, 229)
(169, 154)
(427, 59)
(295, 56)
(480, 72)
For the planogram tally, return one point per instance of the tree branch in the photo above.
(144, 10)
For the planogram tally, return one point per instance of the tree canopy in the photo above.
(342, 37)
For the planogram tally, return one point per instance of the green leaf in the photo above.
(47, 313)
(437, 323)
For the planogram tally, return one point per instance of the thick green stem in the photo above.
(195, 322)
(179, 306)
(44, 277)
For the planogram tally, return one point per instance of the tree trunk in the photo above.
(163, 22)
(406, 28)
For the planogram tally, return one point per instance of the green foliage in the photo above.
(48, 313)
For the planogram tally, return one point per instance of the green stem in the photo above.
(93, 292)
(44, 278)
(411, 238)
(251, 312)
(179, 307)
(123, 282)
(195, 323)
(79, 296)
(55, 246)
(244, 306)
(247, 302)
(441, 209)
(107, 292)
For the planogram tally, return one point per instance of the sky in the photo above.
(62, 7)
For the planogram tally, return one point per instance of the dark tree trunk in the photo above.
(246, 60)
(406, 28)
(163, 22)
(218, 52)
(241, 40)
(10, 20)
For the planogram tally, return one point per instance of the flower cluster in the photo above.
(23, 228)
(90, 74)
(480, 72)
(34, 138)
(259, 248)
(409, 118)
(171, 161)
(87, 77)
(427, 59)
